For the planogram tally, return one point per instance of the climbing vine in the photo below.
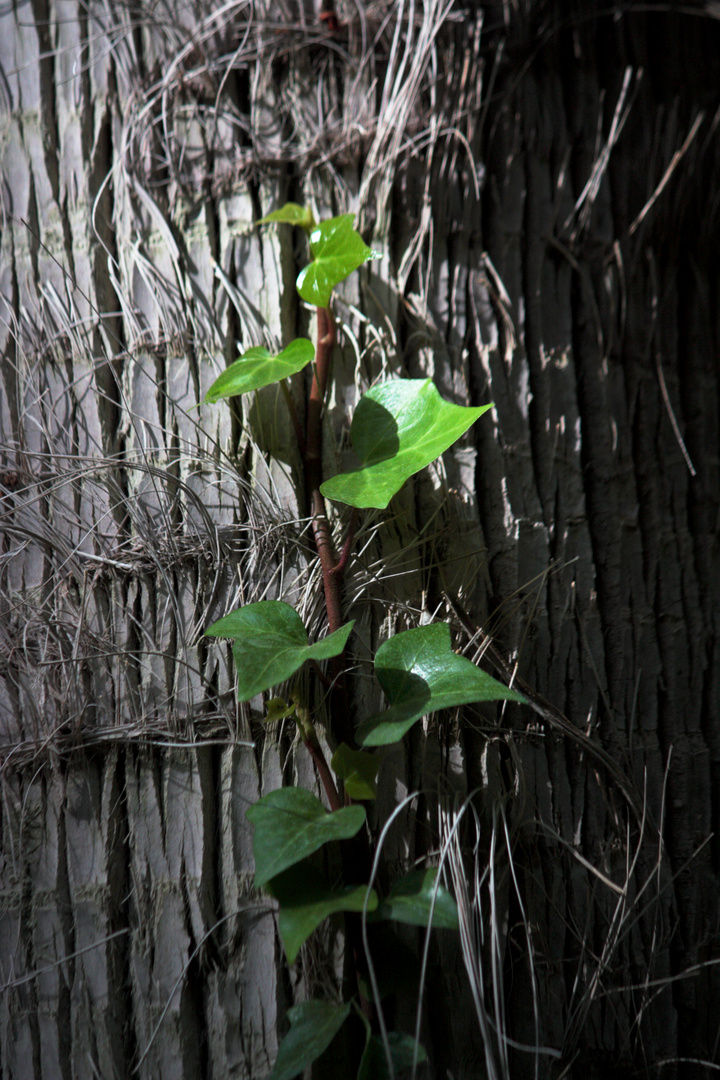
(398, 427)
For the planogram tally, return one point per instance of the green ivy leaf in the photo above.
(410, 900)
(336, 249)
(271, 643)
(358, 771)
(291, 214)
(374, 1066)
(257, 368)
(420, 674)
(397, 429)
(306, 899)
(290, 823)
(314, 1025)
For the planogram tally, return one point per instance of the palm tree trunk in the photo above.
(540, 180)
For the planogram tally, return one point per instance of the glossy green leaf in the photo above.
(313, 1026)
(411, 900)
(358, 771)
(420, 674)
(291, 214)
(257, 368)
(290, 824)
(306, 899)
(374, 1064)
(397, 429)
(271, 643)
(336, 249)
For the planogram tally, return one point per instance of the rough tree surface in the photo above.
(542, 181)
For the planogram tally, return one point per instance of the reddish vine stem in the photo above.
(332, 568)
(354, 852)
(332, 582)
(326, 776)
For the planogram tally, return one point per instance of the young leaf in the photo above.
(271, 643)
(291, 214)
(357, 769)
(306, 899)
(257, 368)
(397, 429)
(278, 709)
(336, 249)
(420, 674)
(314, 1025)
(374, 1066)
(411, 900)
(290, 823)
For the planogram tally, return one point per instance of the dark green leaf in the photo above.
(336, 249)
(257, 368)
(420, 674)
(358, 771)
(314, 1025)
(411, 900)
(291, 214)
(306, 899)
(374, 1064)
(290, 823)
(397, 429)
(271, 643)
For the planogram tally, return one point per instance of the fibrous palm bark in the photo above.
(540, 179)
